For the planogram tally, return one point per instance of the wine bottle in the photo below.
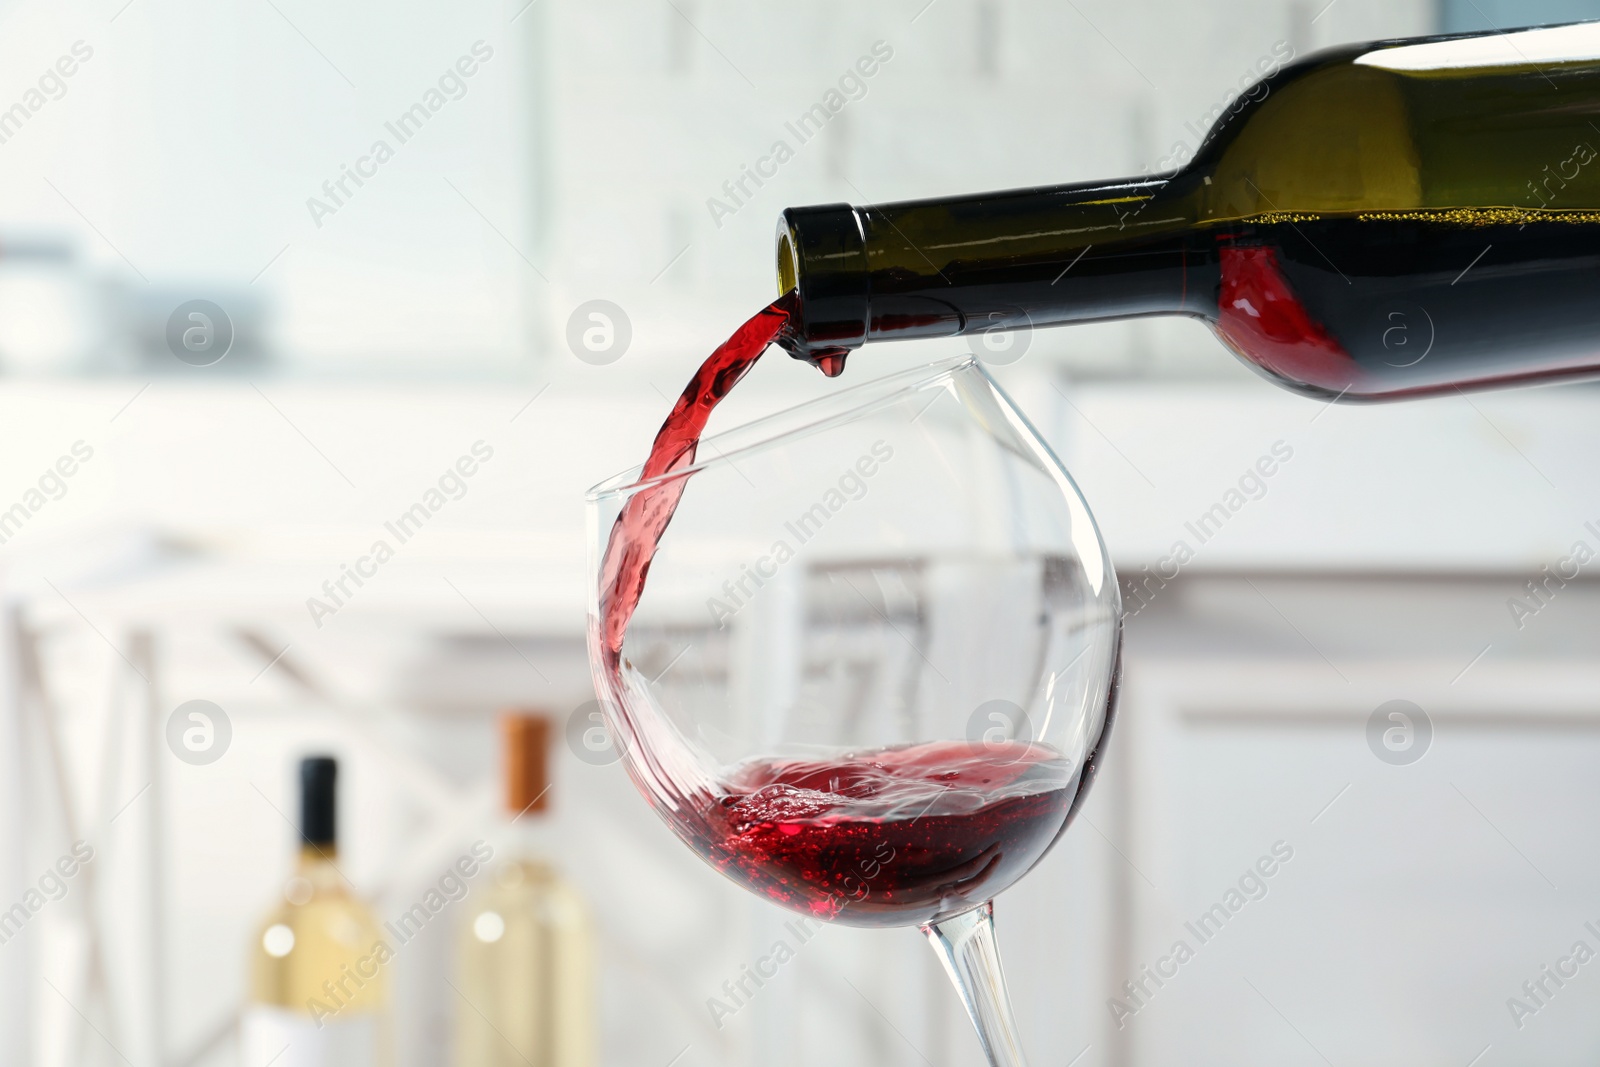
(526, 955)
(318, 991)
(1390, 219)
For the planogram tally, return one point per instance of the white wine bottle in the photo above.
(318, 990)
(527, 950)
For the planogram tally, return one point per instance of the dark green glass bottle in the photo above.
(1391, 219)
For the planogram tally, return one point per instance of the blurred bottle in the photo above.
(318, 992)
(527, 952)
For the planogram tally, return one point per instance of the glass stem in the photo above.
(967, 948)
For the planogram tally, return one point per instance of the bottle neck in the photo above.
(525, 836)
(1019, 259)
(319, 864)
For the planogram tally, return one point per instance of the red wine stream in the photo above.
(645, 516)
(887, 837)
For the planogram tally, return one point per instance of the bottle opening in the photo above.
(788, 271)
(822, 259)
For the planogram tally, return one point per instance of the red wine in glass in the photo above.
(924, 831)
(892, 837)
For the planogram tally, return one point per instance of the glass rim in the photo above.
(809, 417)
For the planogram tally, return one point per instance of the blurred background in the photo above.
(394, 263)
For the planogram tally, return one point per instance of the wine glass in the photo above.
(874, 661)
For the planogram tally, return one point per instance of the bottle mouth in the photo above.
(788, 266)
(822, 257)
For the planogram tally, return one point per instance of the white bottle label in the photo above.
(282, 1038)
